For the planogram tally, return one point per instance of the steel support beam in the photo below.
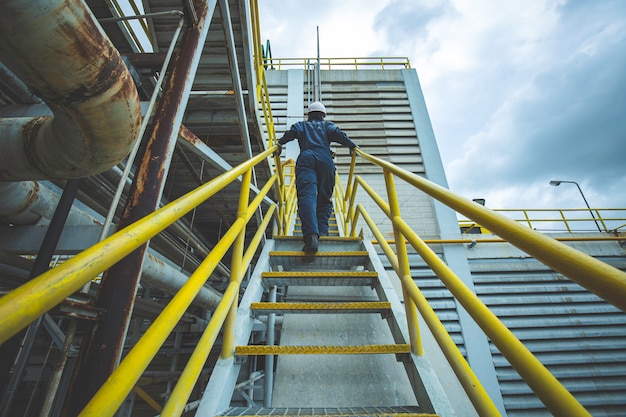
(101, 354)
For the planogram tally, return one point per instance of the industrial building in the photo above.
(150, 255)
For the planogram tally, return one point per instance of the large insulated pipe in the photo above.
(29, 202)
(57, 48)
(41, 202)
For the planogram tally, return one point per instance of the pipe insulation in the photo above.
(58, 49)
(29, 202)
(40, 202)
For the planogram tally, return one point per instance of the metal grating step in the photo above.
(322, 238)
(317, 308)
(322, 278)
(332, 223)
(298, 261)
(321, 350)
(396, 411)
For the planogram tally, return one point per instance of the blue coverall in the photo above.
(315, 171)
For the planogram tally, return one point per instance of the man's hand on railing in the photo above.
(352, 149)
(278, 150)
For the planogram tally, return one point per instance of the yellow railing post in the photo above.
(601, 220)
(350, 190)
(351, 175)
(236, 270)
(569, 230)
(405, 269)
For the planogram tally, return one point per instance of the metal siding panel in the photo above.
(580, 338)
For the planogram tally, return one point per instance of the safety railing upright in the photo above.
(570, 220)
(38, 296)
(598, 277)
(263, 97)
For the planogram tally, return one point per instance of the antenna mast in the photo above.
(318, 81)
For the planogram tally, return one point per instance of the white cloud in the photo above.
(518, 92)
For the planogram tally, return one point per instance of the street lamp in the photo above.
(557, 183)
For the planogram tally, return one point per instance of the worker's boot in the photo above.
(310, 243)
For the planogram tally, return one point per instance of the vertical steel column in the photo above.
(101, 354)
(234, 70)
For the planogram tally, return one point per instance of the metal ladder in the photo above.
(336, 356)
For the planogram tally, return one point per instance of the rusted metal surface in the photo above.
(85, 83)
(100, 355)
(82, 311)
(152, 61)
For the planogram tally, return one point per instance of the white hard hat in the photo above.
(317, 106)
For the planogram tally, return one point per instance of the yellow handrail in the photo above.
(470, 383)
(112, 393)
(31, 300)
(556, 398)
(598, 277)
(468, 379)
(190, 374)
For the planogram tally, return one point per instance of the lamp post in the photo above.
(557, 183)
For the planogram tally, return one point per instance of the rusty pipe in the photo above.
(58, 49)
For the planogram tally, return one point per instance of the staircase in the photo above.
(343, 346)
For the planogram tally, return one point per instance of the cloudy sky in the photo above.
(519, 92)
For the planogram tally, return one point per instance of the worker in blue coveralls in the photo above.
(315, 171)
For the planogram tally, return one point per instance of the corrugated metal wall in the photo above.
(579, 337)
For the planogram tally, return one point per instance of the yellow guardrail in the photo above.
(598, 277)
(385, 62)
(33, 299)
(468, 379)
(263, 97)
(610, 220)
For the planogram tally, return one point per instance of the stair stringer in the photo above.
(425, 376)
(219, 391)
